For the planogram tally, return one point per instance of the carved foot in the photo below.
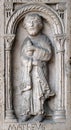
(39, 118)
(24, 118)
(51, 94)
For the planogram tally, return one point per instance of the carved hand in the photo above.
(30, 48)
(25, 87)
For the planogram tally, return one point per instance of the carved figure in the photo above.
(35, 53)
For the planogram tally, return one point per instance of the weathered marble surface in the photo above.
(59, 66)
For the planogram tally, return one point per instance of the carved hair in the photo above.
(33, 16)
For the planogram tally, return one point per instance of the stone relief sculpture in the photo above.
(25, 93)
(35, 53)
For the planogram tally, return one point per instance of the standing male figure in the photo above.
(35, 53)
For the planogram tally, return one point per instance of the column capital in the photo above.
(9, 38)
(60, 38)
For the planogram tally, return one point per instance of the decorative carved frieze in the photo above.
(8, 5)
(61, 7)
(37, 1)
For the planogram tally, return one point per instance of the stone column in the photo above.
(59, 114)
(9, 107)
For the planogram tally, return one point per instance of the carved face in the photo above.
(33, 24)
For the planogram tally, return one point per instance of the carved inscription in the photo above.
(26, 127)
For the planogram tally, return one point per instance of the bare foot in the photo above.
(51, 94)
(24, 118)
(39, 118)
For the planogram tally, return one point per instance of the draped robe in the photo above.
(35, 88)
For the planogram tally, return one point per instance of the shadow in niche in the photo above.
(12, 78)
(48, 111)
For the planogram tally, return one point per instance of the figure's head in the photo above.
(33, 23)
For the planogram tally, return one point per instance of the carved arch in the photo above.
(51, 16)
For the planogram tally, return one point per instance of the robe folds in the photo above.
(34, 87)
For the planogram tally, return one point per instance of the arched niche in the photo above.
(57, 29)
(50, 15)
